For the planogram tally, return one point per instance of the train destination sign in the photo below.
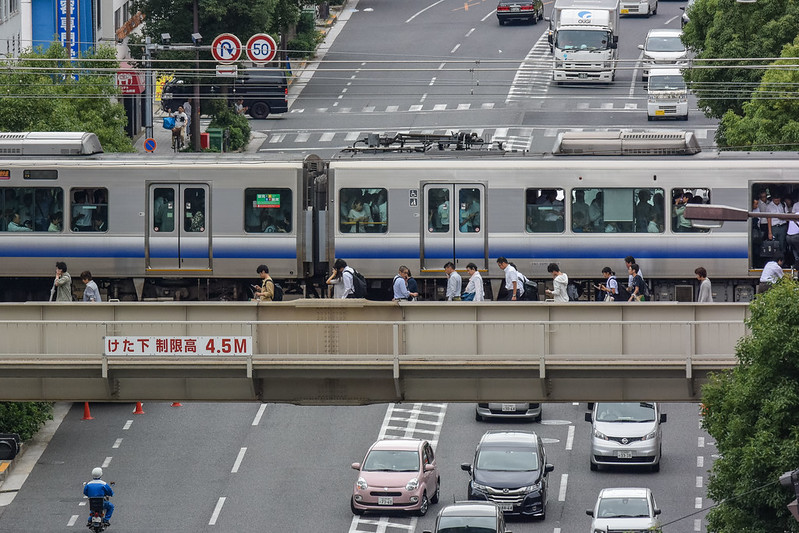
(177, 346)
(267, 200)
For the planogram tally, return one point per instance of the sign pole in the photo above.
(148, 90)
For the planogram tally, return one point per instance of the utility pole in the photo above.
(195, 109)
(68, 39)
(148, 91)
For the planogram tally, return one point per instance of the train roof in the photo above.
(49, 143)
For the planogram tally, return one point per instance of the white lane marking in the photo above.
(484, 18)
(701, 442)
(635, 73)
(440, 107)
(455, 49)
(392, 109)
(700, 461)
(352, 136)
(259, 414)
(344, 90)
(127, 425)
(434, 4)
(570, 438)
(463, 107)
(117, 443)
(106, 462)
(237, 462)
(349, 83)
(423, 98)
(415, 108)
(72, 520)
(697, 524)
(302, 137)
(564, 481)
(698, 503)
(441, 66)
(432, 81)
(217, 510)
(488, 105)
(368, 109)
(468, 33)
(335, 104)
(502, 133)
(575, 403)
(556, 530)
(672, 19)
(699, 481)
(327, 136)
(82, 504)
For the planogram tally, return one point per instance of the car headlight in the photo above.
(479, 487)
(412, 484)
(599, 435)
(532, 488)
(361, 484)
(650, 436)
(652, 99)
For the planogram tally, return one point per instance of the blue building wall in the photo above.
(45, 23)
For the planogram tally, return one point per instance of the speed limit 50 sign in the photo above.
(261, 48)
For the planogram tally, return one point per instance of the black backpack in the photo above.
(277, 292)
(358, 284)
(530, 291)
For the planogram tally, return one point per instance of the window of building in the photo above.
(89, 209)
(13, 6)
(544, 210)
(31, 209)
(267, 210)
(628, 210)
(164, 210)
(363, 211)
(681, 197)
(117, 19)
(194, 213)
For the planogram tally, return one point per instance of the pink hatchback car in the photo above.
(396, 475)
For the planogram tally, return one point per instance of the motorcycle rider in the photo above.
(97, 488)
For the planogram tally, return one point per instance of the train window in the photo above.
(34, 209)
(267, 210)
(89, 209)
(194, 212)
(164, 209)
(469, 218)
(618, 210)
(363, 211)
(544, 210)
(438, 210)
(680, 198)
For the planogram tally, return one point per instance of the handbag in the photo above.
(770, 249)
(467, 297)
(609, 298)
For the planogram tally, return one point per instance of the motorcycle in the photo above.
(97, 514)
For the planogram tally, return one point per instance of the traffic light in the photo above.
(791, 480)
(9, 445)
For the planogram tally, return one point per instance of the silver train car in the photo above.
(197, 227)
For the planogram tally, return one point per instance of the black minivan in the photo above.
(264, 92)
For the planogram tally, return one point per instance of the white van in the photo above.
(667, 94)
(662, 48)
(638, 7)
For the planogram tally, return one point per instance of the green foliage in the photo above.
(238, 125)
(728, 29)
(306, 24)
(770, 120)
(285, 15)
(303, 45)
(38, 94)
(24, 418)
(753, 413)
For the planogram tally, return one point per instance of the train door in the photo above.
(454, 227)
(178, 235)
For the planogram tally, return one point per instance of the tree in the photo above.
(725, 29)
(770, 120)
(38, 94)
(753, 413)
(24, 418)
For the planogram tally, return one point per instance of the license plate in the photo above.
(508, 407)
(582, 75)
(625, 11)
(385, 500)
(659, 112)
(624, 455)
(514, 9)
(505, 506)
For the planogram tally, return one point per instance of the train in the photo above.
(196, 227)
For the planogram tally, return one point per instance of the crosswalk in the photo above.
(415, 108)
(534, 74)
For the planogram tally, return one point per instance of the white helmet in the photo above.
(97, 473)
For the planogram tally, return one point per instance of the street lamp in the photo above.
(196, 38)
(166, 39)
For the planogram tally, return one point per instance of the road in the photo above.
(236, 467)
(383, 73)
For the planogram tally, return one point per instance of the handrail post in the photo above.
(396, 373)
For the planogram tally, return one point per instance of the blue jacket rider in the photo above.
(97, 488)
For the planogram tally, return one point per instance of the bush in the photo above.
(24, 418)
(304, 45)
(306, 24)
(237, 125)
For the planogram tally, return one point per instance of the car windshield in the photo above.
(623, 508)
(666, 83)
(467, 524)
(664, 44)
(625, 412)
(582, 40)
(391, 461)
(507, 459)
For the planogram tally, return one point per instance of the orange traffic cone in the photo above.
(138, 410)
(177, 404)
(87, 414)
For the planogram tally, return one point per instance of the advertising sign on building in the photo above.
(68, 7)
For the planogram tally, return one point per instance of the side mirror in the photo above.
(549, 468)
(466, 467)
(657, 512)
(640, 47)
(614, 45)
(682, 8)
(547, 18)
(588, 417)
(429, 468)
(589, 512)
(662, 418)
(356, 466)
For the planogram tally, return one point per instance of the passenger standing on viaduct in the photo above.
(705, 290)
(560, 284)
(453, 282)
(512, 284)
(62, 284)
(266, 292)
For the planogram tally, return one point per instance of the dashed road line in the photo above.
(570, 439)
(699, 482)
(237, 462)
(117, 443)
(127, 425)
(106, 462)
(72, 520)
(217, 510)
(564, 482)
(698, 503)
(259, 414)
(700, 461)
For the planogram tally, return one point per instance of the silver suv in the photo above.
(631, 510)
(626, 433)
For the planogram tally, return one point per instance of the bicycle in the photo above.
(177, 140)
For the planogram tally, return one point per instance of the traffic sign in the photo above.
(230, 71)
(261, 48)
(226, 48)
(150, 144)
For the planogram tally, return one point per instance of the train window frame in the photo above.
(437, 208)
(676, 210)
(467, 211)
(625, 201)
(39, 222)
(165, 207)
(533, 224)
(97, 208)
(251, 207)
(369, 226)
(195, 209)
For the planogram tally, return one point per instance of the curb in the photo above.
(6, 467)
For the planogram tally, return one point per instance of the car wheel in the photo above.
(259, 110)
(425, 505)
(650, 118)
(594, 466)
(478, 417)
(437, 494)
(655, 467)
(501, 22)
(356, 511)
(684, 117)
(655, 11)
(648, 12)
(538, 418)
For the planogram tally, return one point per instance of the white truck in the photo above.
(583, 37)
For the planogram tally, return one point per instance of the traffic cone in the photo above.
(177, 404)
(87, 414)
(138, 410)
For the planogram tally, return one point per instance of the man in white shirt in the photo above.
(772, 273)
(793, 232)
(560, 284)
(514, 288)
(180, 125)
(454, 282)
(777, 227)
